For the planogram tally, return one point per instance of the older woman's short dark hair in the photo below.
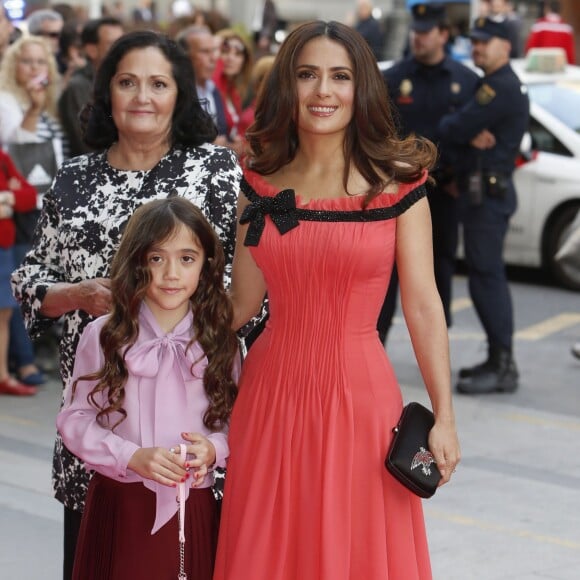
(191, 124)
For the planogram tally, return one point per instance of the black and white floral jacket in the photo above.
(83, 217)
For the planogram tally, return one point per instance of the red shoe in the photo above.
(11, 386)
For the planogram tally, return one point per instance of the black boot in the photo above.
(498, 374)
(485, 366)
(467, 372)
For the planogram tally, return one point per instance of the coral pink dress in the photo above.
(307, 495)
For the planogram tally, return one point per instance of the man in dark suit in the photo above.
(370, 28)
(204, 50)
(97, 36)
(264, 25)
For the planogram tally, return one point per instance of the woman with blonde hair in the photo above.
(232, 76)
(32, 134)
(29, 87)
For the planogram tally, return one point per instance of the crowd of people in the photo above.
(47, 73)
(202, 183)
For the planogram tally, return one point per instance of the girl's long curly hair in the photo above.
(151, 224)
(371, 142)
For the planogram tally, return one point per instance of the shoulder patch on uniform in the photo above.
(485, 95)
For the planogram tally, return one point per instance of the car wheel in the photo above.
(557, 233)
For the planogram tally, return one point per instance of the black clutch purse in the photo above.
(409, 459)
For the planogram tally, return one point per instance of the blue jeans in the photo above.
(21, 349)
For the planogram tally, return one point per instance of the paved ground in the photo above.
(512, 511)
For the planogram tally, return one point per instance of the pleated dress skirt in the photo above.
(115, 541)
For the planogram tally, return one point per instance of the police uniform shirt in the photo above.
(501, 106)
(423, 94)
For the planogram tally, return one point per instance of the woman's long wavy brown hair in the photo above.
(371, 141)
(151, 224)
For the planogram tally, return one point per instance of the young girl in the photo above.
(154, 373)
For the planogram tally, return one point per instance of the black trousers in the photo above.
(72, 525)
(484, 231)
(445, 223)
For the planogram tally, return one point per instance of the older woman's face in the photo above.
(31, 63)
(143, 94)
(233, 54)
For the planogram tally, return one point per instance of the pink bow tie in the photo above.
(145, 359)
(153, 360)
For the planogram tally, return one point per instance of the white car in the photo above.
(548, 185)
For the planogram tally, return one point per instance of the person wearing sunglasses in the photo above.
(232, 76)
(48, 24)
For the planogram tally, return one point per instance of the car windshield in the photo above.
(561, 100)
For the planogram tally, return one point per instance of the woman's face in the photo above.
(31, 63)
(325, 87)
(233, 54)
(143, 94)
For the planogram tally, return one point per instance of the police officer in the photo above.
(490, 127)
(424, 87)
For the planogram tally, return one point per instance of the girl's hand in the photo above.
(201, 456)
(444, 445)
(158, 464)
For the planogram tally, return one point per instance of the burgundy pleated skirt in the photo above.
(115, 541)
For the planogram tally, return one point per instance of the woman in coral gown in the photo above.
(330, 197)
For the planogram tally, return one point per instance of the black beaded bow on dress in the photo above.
(281, 208)
(286, 216)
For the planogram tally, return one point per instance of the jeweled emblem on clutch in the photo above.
(423, 458)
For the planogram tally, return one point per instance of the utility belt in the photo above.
(480, 184)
